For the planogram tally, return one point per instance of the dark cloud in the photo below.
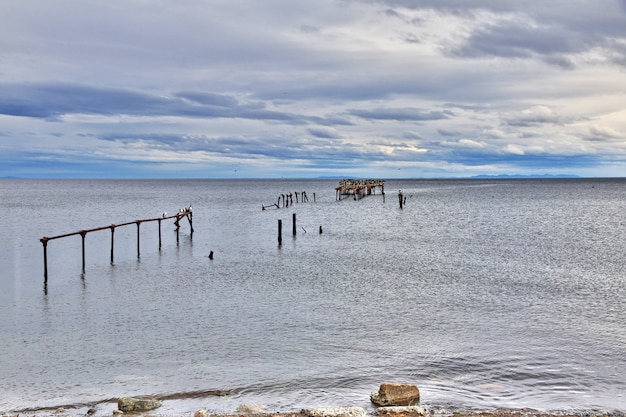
(449, 133)
(324, 133)
(52, 101)
(521, 40)
(551, 33)
(402, 114)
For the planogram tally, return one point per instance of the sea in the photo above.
(485, 293)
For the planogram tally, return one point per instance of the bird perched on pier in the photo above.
(164, 214)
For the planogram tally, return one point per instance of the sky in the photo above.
(308, 89)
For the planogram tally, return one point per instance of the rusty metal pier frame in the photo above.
(185, 212)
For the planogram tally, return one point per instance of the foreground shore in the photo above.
(321, 412)
(485, 413)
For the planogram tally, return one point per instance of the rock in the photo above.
(396, 394)
(412, 410)
(251, 408)
(117, 412)
(137, 404)
(334, 412)
(202, 412)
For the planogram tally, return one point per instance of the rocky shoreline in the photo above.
(396, 411)
(391, 400)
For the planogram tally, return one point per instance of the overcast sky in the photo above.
(289, 88)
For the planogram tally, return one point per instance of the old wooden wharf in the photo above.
(358, 188)
(286, 199)
(185, 212)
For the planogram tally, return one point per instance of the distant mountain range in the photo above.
(527, 176)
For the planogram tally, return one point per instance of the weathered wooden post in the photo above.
(159, 234)
(190, 218)
(280, 231)
(400, 198)
(177, 227)
(44, 242)
(293, 221)
(112, 233)
(82, 235)
(138, 223)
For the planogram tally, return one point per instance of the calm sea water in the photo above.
(484, 293)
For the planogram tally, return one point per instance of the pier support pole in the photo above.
(159, 234)
(138, 223)
(293, 222)
(190, 218)
(177, 223)
(400, 198)
(82, 235)
(44, 242)
(112, 240)
(280, 231)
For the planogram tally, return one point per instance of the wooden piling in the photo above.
(112, 234)
(82, 235)
(280, 232)
(44, 242)
(159, 234)
(293, 221)
(138, 223)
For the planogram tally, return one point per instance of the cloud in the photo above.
(535, 116)
(514, 39)
(324, 132)
(52, 101)
(401, 114)
(606, 132)
(302, 89)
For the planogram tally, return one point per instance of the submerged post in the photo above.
(44, 242)
(177, 227)
(190, 218)
(293, 221)
(82, 235)
(112, 233)
(280, 231)
(138, 223)
(159, 234)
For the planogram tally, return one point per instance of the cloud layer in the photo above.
(373, 88)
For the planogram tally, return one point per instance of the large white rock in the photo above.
(402, 410)
(334, 412)
(137, 404)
